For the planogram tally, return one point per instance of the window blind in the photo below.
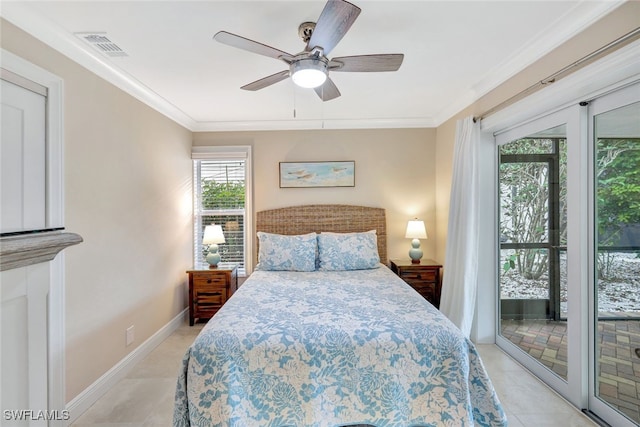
(220, 198)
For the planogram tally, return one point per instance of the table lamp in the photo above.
(415, 231)
(212, 236)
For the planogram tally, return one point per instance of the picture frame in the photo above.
(317, 174)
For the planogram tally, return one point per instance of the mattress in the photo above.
(332, 348)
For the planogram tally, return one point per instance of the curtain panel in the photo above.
(460, 282)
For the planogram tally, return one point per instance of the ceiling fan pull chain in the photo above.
(322, 106)
(294, 101)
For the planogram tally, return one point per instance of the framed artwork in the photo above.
(317, 174)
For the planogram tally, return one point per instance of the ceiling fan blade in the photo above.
(328, 90)
(367, 63)
(267, 81)
(252, 46)
(334, 22)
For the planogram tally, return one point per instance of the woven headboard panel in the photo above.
(318, 218)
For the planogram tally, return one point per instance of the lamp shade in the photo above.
(416, 230)
(213, 234)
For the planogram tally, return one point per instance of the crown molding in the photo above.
(583, 15)
(266, 125)
(67, 44)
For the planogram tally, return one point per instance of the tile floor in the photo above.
(145, 397)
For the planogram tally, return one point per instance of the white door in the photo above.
(23, 318)
(25, 291)
(22, 156)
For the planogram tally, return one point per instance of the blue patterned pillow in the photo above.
(348, 251)
(287, 253)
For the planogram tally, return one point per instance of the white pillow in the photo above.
(348, 251)
(287, 253)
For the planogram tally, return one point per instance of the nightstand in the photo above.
(424, 277)
(210, 288)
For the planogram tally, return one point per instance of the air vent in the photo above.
(102, 43)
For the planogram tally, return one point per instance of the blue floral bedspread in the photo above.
(330, 349)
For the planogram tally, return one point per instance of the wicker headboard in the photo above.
(318, 218)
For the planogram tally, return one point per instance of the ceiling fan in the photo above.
(310, 68)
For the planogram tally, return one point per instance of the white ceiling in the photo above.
(455, 52)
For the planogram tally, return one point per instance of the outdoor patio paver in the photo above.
(619, 361)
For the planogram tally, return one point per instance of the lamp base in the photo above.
(415, 253)
(213, 257)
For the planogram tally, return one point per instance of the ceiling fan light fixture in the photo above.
(309, 72)
(310, 68)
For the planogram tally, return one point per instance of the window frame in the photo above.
(225, 153)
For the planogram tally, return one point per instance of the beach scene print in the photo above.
(317, 174)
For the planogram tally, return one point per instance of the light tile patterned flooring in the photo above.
(619, 363)
(145, 397)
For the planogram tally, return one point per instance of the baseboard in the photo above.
(78, 405)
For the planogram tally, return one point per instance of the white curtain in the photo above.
(460, 282)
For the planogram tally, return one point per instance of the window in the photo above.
(221, 189)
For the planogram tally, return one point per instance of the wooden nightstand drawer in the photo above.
(209, 300)
(209, 289)
(417, 275)
(210, 280)
(211, 294)
(427, 290)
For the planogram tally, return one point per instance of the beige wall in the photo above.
(395, 170)
(128, 193)
(621, 21)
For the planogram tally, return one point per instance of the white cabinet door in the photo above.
(23, 320)
(23, 200)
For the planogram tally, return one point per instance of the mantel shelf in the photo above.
(28, 249)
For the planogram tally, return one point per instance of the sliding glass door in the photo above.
(615, 347)
(569, 252)
(533, 295)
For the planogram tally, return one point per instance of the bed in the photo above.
(330, 338)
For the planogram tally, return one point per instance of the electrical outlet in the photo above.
(130, 335)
